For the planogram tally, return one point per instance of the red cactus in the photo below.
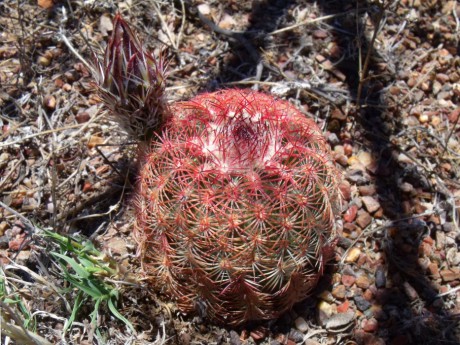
(236, 205)
(236, 194)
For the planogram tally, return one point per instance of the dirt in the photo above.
(382, 80)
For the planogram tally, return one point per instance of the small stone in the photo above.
(453, 256)
(367, 190)
(295, 336)
(343, 308)
(365, 158)
(363, 281)
(448, 227)
(350, 214)
(301, 324)
(368, 295)
(348, 280)
(423, 118)
(67, 87)
(406, 187)
(353, 255)
(380, 278)
(339, 321)
(320, 34)
(258, 333)
(17, 243)
(449, 275)
(361, 303)
(44, 61)
(403, 158)
(49, 102)
(333, 139)
(410, 291)
(370, 204)
(440, 239)
(325, 311)
(339, 292)
(311, 342)
(370, 325)
(82, 117)
(433, 270)
(345, 189)
(363, 219)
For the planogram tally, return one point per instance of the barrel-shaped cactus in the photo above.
(236, 192)
(236, 206)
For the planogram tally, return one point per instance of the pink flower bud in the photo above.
(131, 83)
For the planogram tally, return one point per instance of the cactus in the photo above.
(235, 205)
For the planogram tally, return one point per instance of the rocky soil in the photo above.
(382, 80)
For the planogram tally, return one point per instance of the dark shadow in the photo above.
(411, 311)
(244, 58)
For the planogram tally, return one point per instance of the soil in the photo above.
(382, 80)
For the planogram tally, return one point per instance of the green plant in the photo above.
(85, 268)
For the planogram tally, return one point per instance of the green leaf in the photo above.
(77, 268)
(118, 315)
(94, 292)
(76, 306)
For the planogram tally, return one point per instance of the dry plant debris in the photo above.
(380, 77)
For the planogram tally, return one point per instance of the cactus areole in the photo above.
(235, 204)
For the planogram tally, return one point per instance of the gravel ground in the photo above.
(382, 80)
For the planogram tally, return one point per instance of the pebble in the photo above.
(380, 278)
(43, 61)
(370, 204)
(367, 190)
(49, 102)
(339, 292)
(295, 336)
(342, 308)
(449, 275)
(235, 338)
(301, 324)
(348, 280)
(453, 256)
(406, 187)
(311, 342)
(339, 321)
(325, 311)
(363, 281)
(353, 255)
(361, 303)
(411, 293)
(345, 189)
(320, 34)
(433, 270)
(357, 176)
(370, 325)
(365, 158)
(350, 214)
(363, 219)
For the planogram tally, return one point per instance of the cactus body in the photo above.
(235, 206)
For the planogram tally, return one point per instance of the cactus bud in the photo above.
(131, 83)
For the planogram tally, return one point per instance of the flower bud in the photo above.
(131, 83)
